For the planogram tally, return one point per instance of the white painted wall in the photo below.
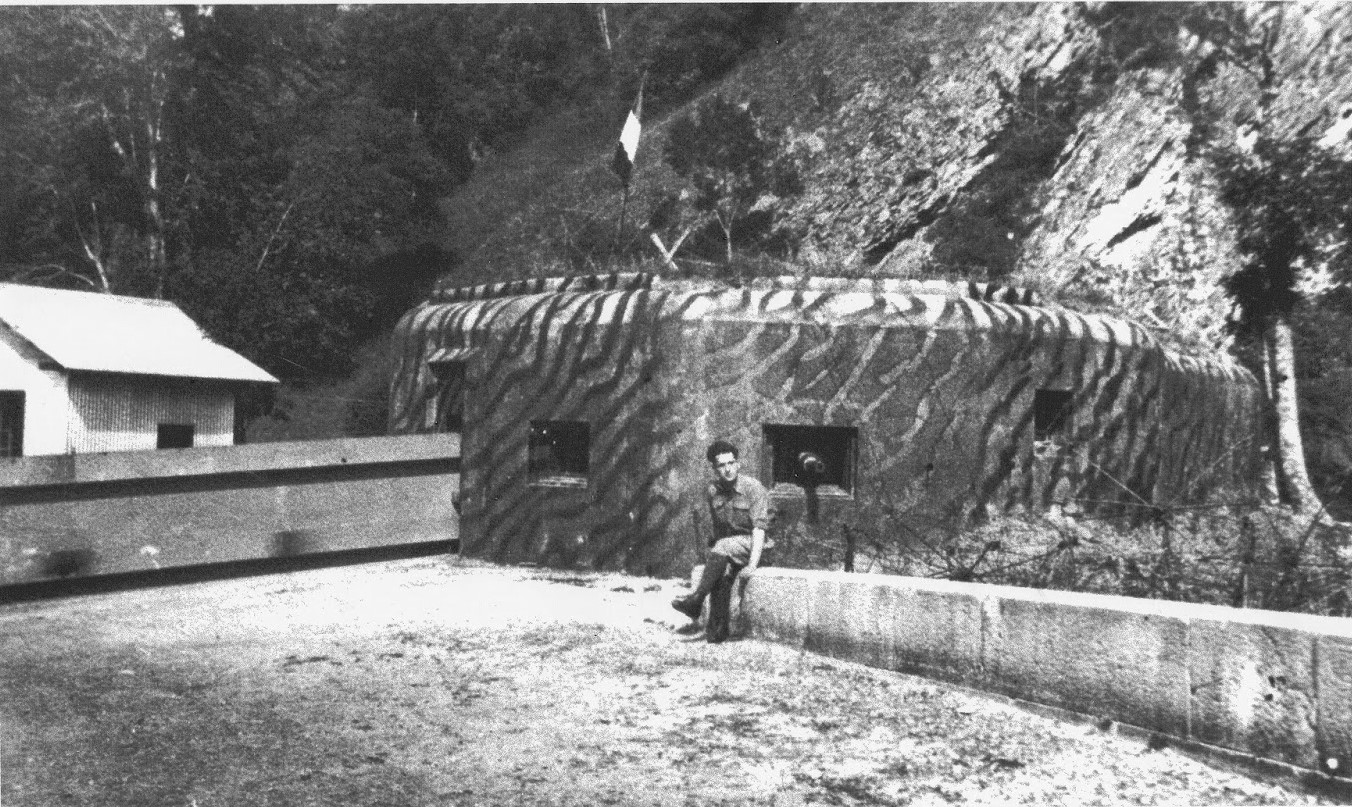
(46, 411)
(121, 413)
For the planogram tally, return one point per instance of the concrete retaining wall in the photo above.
(92, 514)
(1275, 686)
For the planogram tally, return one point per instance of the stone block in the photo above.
(828, 628)
(1253, 687)
(936, 628)
(1101, 656)
(774, 606)
(915, 626)
(1333, 682)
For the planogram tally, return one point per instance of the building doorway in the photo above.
(11, 423)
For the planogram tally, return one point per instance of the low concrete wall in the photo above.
(92, 514)
(1270, 685)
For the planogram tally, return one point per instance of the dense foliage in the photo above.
(226, 158)
(1293, 201)
(279, 170)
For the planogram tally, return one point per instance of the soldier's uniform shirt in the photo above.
(735, 514)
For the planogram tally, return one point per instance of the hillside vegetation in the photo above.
(296, 177)
(1069, 148)
(969, 139)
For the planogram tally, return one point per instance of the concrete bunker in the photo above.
(585, 403)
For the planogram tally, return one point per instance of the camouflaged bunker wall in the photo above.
(938, 408)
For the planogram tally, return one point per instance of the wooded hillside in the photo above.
(297, 176)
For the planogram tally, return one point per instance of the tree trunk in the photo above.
(1271, 490)
(157, 255)
(605, 28)
(1281, 357)
(142, 161)
(92, 244)
(725, 222)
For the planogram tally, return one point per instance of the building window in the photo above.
(816, 458)
(559, 452)
(174, 435)
(1051, 415)
(11, 424)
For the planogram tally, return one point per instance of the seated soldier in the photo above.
(740, 507)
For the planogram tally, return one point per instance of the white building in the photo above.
(82, 371)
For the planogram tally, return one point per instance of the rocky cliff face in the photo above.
(989, 141)
(1119, 209)
(1132, 209)
(1126, 214)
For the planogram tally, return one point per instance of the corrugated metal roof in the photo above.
(113, 334)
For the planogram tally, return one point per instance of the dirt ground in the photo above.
(437, 681)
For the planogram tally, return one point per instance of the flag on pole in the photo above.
(627, 149)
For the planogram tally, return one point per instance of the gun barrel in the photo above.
(811, 464)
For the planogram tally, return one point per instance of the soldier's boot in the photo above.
(720, 607)
(692, 603)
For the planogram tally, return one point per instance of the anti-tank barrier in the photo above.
(86, 515)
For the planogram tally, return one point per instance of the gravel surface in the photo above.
(440, 681)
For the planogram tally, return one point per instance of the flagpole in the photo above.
(626, 152)
(619, 231)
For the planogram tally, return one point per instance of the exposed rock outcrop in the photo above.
(927, 132)
(1127, 217)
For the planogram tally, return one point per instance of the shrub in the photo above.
(737, 166)
(1241, 556)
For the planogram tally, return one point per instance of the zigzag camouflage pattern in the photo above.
(941, 390)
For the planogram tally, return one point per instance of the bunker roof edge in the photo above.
(934, 304)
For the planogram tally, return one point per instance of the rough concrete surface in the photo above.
(437, 681)
(135, 511)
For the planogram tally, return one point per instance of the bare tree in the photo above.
(90, 88)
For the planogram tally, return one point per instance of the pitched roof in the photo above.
(107, 333)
